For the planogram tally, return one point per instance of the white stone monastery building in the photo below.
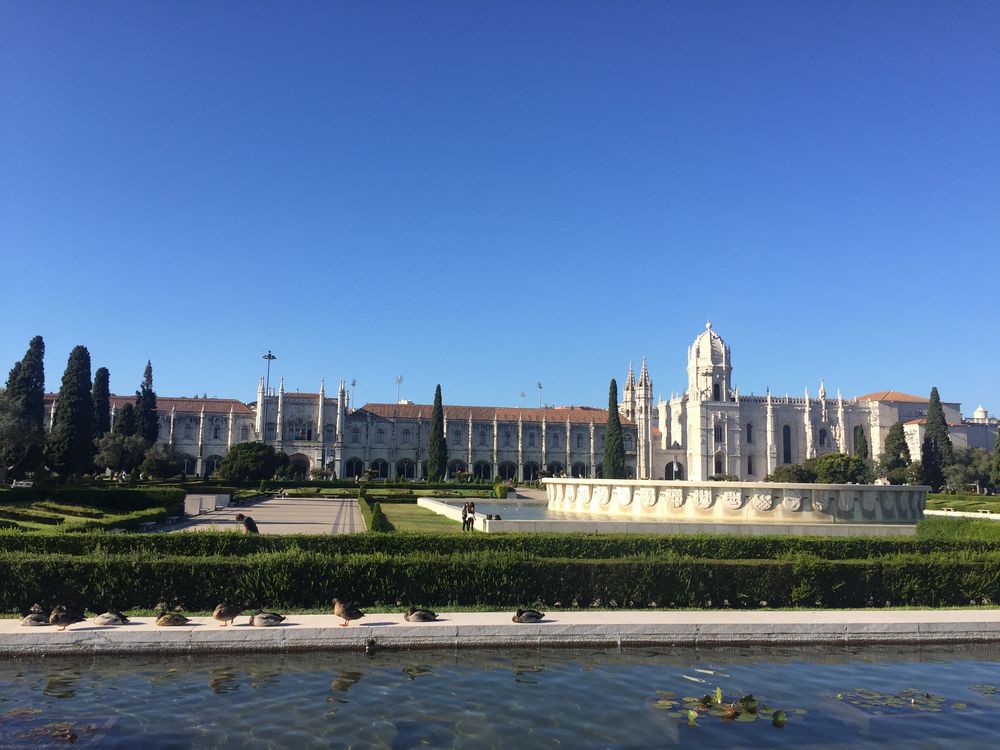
(711, 429)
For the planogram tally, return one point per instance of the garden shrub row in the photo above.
(297, 579)
(117, 499)
(573, 546)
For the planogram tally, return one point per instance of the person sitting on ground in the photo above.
(249, 526)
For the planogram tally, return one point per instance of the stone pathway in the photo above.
(284, 515)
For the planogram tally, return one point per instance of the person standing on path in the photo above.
(465, 517)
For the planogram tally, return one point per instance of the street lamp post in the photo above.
(523, 394)
(539, 384)
(399, 381)
(267, 388)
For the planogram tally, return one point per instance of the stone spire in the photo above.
(643, 375)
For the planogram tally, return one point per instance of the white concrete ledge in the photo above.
(679, 628)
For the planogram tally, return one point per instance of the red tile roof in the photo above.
(554, 415)
(893, 396)
(180, 403)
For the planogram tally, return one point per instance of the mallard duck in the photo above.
(420, 615)
(348, 610)
(64, 618)
(111, 617)
(168, 619)
(34, 619)
(261, 619)
(528, 615)
(226, 614)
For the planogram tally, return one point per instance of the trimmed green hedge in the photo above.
(571, 546)
(297, 579)
(124, 499)
(379, 521)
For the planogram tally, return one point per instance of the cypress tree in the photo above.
(860, 443)
(995, 464)
(102, 402)
(125, 421)
(437, 448)
(614, 449)
(25, 396)
(895, 456)
(937, 427)
(71, 440)
(147, 426)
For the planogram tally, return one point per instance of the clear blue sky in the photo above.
(489, 194)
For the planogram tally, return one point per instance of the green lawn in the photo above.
(964, 502)
(406, 517)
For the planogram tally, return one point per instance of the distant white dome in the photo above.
(980, 413)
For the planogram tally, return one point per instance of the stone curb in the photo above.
(559, 629)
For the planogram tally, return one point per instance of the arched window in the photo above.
(482, 436)
(244, 433)
(356, 435)
(579, 440)
(749, 432)
(506, 442)
(749, 464)
(188, 430)
(786, 444)
(716, 392)
(380, 436)
(555, 439)
(718, 433)
(822, 438)
(406, 439)
(330, 432)
(718, 464)
(627, 441)
(458, 437)
(531, 440)
(216, 431)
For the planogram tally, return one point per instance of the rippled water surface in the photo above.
(476, 698)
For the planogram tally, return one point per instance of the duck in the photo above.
(226, 614)
(347, 610)
(111, 617)
(420, 615)
(528, 615)
(64, 618)
(35, 619)
(261, 619)
(168, 619)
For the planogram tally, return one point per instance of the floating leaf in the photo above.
(986, 689)
(692, 717)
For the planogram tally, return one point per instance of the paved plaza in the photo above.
(284, 515)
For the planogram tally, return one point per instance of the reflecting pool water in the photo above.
(472, 698)
(509, 511)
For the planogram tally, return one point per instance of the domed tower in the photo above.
(709, 369)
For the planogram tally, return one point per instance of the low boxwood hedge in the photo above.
(118, 499)
(298, 579)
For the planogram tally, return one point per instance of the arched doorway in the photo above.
(674, 470)
(456, 467)
(354, 468)
(187, 463)
(531, 470)
(300, 465)
(630, 472)
(406, 469)
(578, 470)
(379, 469)
(556, 469)
(482, 470)
(507, 470)
(211, 464)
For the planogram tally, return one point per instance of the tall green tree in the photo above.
(860, 442)
(147, 424)
(614, 448)
(894, 463)
(125, 421)
(437, 448)
(22, 450)
(71, 440)
(936, 451)
(102, 402)
(995, 464)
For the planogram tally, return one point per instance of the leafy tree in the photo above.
(840, 468)
(160, 462)
(791, 473)
(70, 446)
(969, 466)
(614, 449)
(936, 451)
(252, 460)
(147, 425)
(894, 463)
(22, 449)
(437, 449)
(995, 464)
(102, 402)
(116, 451)
(125, 420)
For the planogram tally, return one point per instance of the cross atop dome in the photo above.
(708, 325)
